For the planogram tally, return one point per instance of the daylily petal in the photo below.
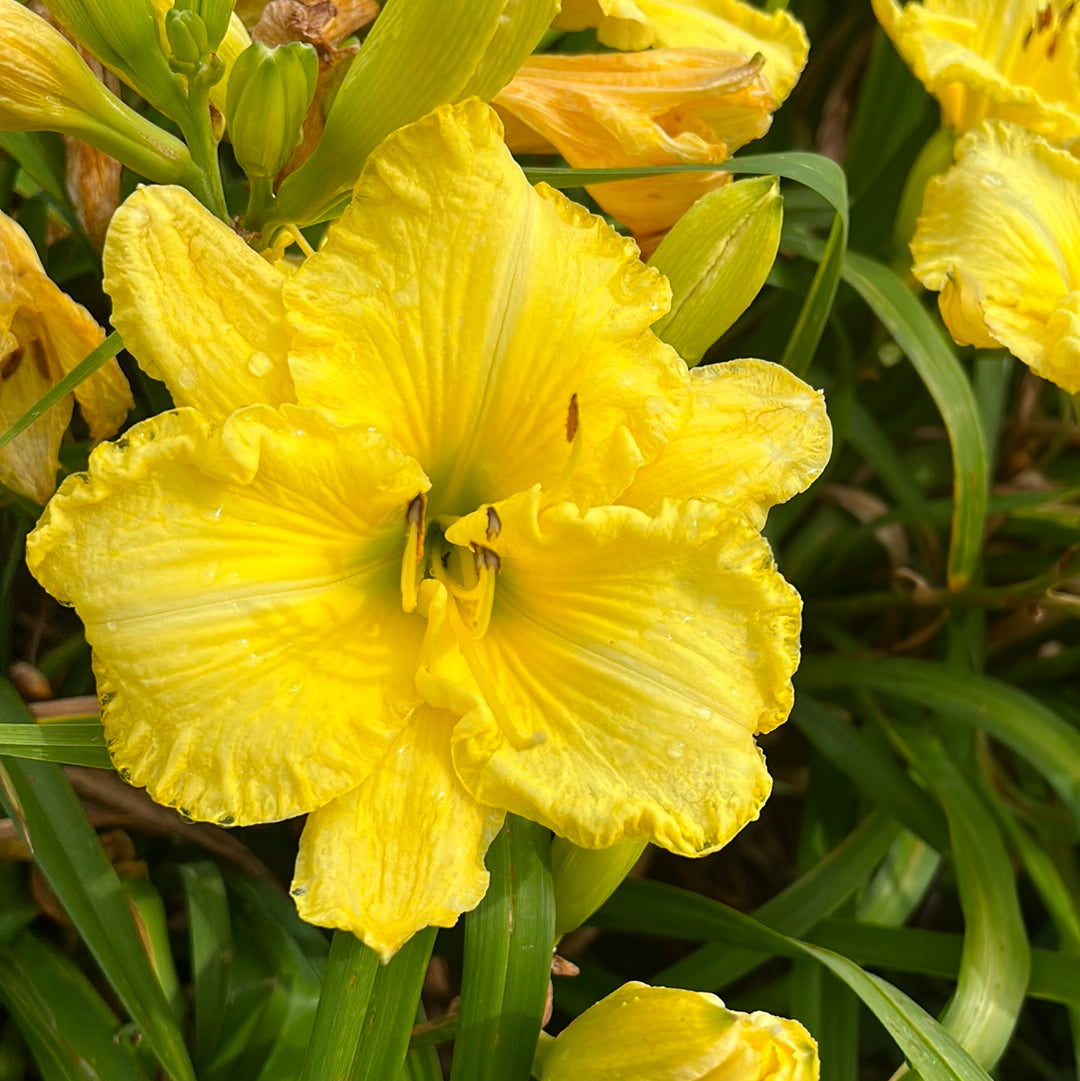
(240, 589)
(727, 25)
(196, 306)
(403, 851)
(43, 335)
(628, 664)
(982, 58)
(998, 239)
(758, 435)
(662, 107)
(642, 1033)
(464, 334)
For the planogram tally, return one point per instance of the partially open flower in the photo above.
(43, 335)
(985, 59)
(659, 107)
(998, 239)
(642, 1033)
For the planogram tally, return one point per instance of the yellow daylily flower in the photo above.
(642, 1033)
(997, 239)
(725, 25)
(43, 335)
(660, 107)
(986, 59)
(374, 568)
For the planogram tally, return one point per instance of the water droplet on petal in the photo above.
(676, 749)
(260, 364)
(187, 379)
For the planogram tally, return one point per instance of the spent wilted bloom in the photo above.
(658, 107)
(982, 59)
(43, 335)
(388, 562)
(642, 1033)
(724, 25)
(998, 239)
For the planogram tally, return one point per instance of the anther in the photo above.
(572, 419)
(414, 551)
(494, 524)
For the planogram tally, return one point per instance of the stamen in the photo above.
(494, 524)
(517, 739)
(414, 551)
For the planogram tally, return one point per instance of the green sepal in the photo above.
(214, 15)
(717, 258)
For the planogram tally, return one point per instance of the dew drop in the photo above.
(187, 379)
(704, 713)
(676, 749)
(260, 364)
(408, 296)
(992, 180)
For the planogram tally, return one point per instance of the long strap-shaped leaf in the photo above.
(1018, 720)
(638, 905)
(66, 849)
(925, 346)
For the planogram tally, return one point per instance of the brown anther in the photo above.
(494, 524)
(1051, 48)
(11, 364)
(561, 967)
(1027, 37)
(572, 419)
(1045, 17)
(486, 559)
(1066, 12)
(414, 519)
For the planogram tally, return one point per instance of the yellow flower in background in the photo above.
(659, 107)
(376, 567)
(724, 25)
(43, 335)
(982, 59)
(998, 238)
(642, 1033)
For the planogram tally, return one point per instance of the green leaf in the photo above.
(642, 906)
(794, 910)
(922, 341)
(996, 960)
(210, 931)
(41, 156)
(66, 848)
(1018, 720)
(73, 743)
(507, 967)
(86, 367)
(70, 1030)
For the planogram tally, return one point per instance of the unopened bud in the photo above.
(188, 42)
(269, 94)
(215, 15)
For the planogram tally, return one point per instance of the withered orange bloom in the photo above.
(43, 335)
(660, 107)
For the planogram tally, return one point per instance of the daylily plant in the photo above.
(997, 239)
(438, 531)
(43, 335)
(642, 1033)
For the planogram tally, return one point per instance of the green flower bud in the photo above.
(717, 258)
(187, 40)
(126, 39)
(215, 15)
(269, 94)
(584, 878)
